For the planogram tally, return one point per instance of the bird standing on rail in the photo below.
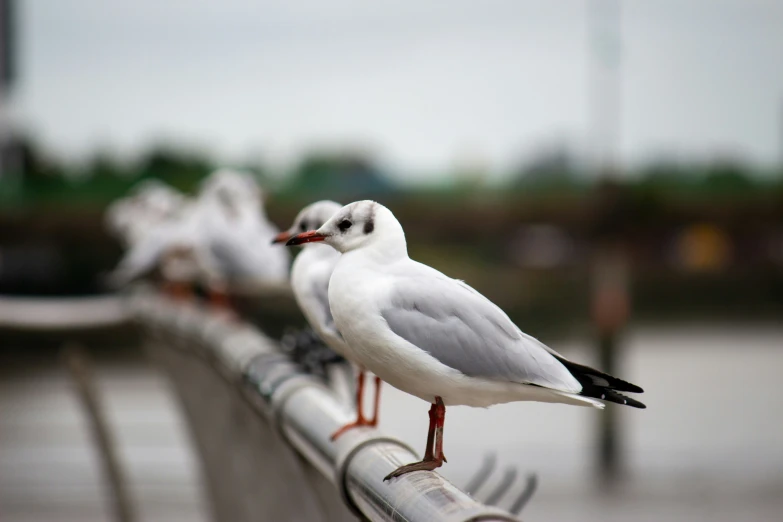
(149, 204)
(221, 240)
(239, 234)
(176, 249)
(436, 337)
(310, 276)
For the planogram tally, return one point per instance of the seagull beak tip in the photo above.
(305, 237)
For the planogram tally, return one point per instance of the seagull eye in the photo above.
(344, 225)
(303, 226)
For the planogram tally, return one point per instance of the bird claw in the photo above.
(424, 465)
(361, 423)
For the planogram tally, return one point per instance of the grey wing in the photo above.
(464, 330)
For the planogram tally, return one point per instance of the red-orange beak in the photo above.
(282, 237)
(305, 237)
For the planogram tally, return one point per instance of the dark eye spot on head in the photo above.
(344, 225)
(303, 226)
(369, 225)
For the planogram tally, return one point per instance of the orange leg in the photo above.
(218, 299)
(178, 290)
(377, 402)
(360, 419)
(433, 457)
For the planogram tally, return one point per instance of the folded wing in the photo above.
(465, 331)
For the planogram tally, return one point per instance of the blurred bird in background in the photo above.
(170, 249)
(233, 220)
(219, 240)
(150, 203)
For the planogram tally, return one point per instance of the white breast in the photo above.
(310, 276)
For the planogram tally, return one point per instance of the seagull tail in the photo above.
(599, 385)
(577, 399)
(612, 396)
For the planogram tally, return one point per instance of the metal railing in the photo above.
(67, 313)
(269, 456)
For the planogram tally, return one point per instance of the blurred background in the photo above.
(610, 173)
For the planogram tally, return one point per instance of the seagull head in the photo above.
(312, 217)
(148, 203)
(156, 199)
(232, 189)
(362, 224)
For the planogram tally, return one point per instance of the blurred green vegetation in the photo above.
(704, 240)
(349, 175)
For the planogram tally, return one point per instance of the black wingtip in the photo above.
(633, 403)
(619, 398)
(599, 385)
(592, 378)
(630, 388)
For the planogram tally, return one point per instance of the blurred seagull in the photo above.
(149, 204)
(231, 206)
(221, 239)
(176, 249)
(310, 276)
(436, 337)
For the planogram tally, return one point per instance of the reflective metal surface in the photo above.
(72, 313)
(420, 495)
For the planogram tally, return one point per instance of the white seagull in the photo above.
(310, 276)
(177, 249)
(436, 337)
(150, 203)
(238, 232)
(220, 239)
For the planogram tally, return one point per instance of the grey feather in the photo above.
(465, 331)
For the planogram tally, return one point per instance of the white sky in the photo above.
(422, 84)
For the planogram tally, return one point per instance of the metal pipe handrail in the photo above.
(306, 413)
(66, 313)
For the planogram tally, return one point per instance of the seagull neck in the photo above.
(319, 249)
(385, 252)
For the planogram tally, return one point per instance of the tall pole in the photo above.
(604, 17)
(8, 167)
(609, 265)
(780, 138)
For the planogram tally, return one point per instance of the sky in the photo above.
(424, 86)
